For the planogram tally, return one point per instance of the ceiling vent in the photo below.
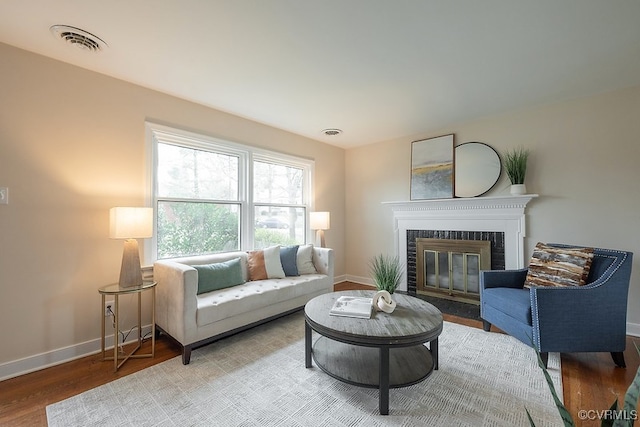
(78, 38)
(331, 132)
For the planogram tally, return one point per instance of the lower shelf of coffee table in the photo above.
(360, 365)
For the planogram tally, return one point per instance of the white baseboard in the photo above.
(40, 361)
(339, 279)
(633, 329)
(360, 280)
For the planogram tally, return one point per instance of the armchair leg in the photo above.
(545, 359)
(618, 358)
(486, 325)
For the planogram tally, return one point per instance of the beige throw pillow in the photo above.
(305, 260)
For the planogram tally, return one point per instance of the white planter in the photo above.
(517, 189)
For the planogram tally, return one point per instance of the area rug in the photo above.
(258, 378)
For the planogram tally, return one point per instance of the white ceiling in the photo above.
(377, 69)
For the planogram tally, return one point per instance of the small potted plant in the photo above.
(515, 163)
(386, 272)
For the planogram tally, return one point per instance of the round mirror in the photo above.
(477, 169)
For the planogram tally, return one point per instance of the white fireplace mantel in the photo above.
(495, 214)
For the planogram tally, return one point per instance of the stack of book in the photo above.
(347, 306)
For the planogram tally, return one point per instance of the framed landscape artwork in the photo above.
(432, 172)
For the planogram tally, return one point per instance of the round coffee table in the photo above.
(385, 351)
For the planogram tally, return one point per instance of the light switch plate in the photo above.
(4, 196)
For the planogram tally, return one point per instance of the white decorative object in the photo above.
(518, 189)
(382, 302)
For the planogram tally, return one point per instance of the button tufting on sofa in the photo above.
(195, 320)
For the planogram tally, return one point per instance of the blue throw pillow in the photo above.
(220, 275)
(288, 259)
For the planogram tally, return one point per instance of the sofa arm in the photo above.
(503, 278)
(323, 260)
(176, 301)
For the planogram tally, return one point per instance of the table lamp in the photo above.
(320, 221)
(130, 224)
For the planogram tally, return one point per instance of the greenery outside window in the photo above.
(216, 196)
(278, 202)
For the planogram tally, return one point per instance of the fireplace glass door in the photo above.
(452, 271)
(451, 268)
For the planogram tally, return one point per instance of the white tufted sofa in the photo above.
(196, 320)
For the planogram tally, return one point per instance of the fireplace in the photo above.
(450, 269)
(462, 253)
(500, 220)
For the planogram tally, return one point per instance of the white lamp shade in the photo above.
(320, 220)
(130, 223)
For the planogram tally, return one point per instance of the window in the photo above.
(278, 203)
(217, 196)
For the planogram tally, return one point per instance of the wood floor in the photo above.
(590, 381)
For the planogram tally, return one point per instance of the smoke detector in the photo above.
(331, 132)
(78, 38)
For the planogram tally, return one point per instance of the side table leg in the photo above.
(116, 337)
(153, 321)
(384, 381)
(103, 326)
(139, 319)
(433, 347)
(307, 345)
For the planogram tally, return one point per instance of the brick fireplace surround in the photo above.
(481, 216)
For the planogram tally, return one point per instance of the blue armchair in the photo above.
(589, 318)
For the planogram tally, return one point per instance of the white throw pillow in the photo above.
(305, 260)
(272, 262)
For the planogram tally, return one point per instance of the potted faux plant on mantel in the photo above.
(515, 163)
(386, 272)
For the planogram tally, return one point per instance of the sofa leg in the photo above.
(486, 326)
(186, 354)
(618, 358)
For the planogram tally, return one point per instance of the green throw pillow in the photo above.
(220, 275)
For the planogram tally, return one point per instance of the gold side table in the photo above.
(116, 290)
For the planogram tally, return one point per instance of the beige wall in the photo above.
(72, 145)
(584, 164)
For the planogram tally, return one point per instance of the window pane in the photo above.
(279, 226)
(187, 173)
(273, 183)
(197, 228)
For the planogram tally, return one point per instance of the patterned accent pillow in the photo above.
(558, 267)
(265, 264)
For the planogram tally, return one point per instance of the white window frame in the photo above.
(156, 133)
